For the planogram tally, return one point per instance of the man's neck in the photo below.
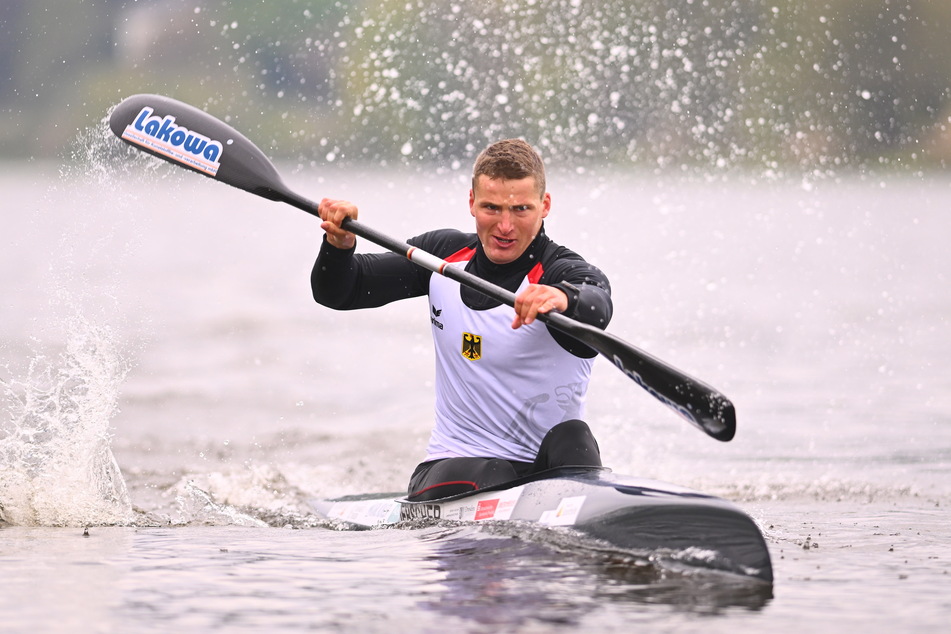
(523, 262)
(509, 275)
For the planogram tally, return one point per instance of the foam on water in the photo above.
(258, 495)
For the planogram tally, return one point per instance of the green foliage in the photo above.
(807, 85)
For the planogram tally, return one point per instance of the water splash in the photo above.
(800, 89)
(96, 156)
(198, 507)
(56, 462)
(254, 495)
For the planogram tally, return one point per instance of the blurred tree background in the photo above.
(811, 86)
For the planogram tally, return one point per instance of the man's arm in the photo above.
(589, 298)
(343, 280)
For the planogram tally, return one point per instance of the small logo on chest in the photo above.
(436, 313)
(471, 346)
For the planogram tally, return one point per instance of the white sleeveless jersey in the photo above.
(498, 390)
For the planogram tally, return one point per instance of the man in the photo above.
(509, 390)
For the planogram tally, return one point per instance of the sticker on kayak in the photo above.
(499, 508)
(369, 512)
(496, 507)
(566, 514)
(177, 143)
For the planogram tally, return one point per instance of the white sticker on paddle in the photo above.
(177, 143)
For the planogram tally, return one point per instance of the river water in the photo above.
(173, 397)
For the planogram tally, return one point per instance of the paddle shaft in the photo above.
(645, 370)
(193, 139)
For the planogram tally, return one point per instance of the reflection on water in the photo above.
(238, 579)
(500, 581)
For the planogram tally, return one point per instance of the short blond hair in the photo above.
(510, 159)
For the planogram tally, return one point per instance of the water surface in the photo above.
(170, 384)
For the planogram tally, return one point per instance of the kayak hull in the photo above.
(637, 515)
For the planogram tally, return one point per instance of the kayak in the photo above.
(644, 517)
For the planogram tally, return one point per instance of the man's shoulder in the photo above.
(554, 253)
(563, 264)
(444, 242)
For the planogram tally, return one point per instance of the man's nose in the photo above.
(505, 221)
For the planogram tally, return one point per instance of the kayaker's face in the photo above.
(508, 215)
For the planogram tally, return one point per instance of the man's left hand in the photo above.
(538, 298)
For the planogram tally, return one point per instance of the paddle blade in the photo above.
(695, 401)
(193, 139)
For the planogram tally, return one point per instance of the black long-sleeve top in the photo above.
(344, 280)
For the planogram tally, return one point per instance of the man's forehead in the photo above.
(508, 188)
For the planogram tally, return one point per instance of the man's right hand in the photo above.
(333, 212)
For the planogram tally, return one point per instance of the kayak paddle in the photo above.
(191, 138)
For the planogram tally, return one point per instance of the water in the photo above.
(169, 384)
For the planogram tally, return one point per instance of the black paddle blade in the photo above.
(699, 404)
(193, 139)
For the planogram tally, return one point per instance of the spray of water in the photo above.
(56, 463)
(698, 87)
(59, 396)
